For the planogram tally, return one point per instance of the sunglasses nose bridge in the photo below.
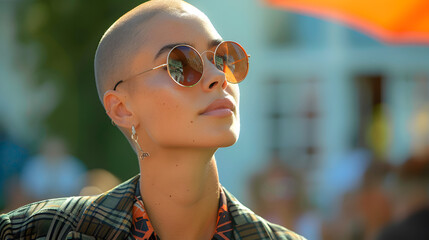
(212, 76)
(209, 54)
(208, 62)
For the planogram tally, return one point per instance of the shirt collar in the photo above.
(108, 216)
(143, 229)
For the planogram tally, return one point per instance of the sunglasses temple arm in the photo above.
(248, 56)
(160, 66)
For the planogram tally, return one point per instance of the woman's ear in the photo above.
(116, 108)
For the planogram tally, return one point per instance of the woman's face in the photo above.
(169, 115)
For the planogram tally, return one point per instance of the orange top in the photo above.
(142, 229)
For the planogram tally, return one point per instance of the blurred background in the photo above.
(334, 137)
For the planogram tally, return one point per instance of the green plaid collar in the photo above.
(109, 216)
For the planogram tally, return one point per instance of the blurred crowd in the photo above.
(50, 173)
(369, 198)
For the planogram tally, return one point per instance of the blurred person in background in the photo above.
(364, 209)
(12, 159)
(53, 172)
(373, 205)
(167, 80)
(98, 181)
(277, 193)
(411, 200)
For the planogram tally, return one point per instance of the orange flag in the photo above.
(392, 21)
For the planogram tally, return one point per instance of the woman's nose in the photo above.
(212, 76)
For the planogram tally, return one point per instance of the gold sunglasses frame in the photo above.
(202, 61)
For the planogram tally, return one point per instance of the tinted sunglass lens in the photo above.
(185, 66)
(232, 60)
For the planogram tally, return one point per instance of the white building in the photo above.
(326, 82)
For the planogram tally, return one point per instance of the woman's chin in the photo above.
(224, 141)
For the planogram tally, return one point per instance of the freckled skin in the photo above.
(170, 126)
(168, 113)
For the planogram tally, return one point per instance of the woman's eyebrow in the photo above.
(215, 42)
(167, 48)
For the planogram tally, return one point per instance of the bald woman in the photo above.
(169, 82)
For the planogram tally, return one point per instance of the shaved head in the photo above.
(120, 43)
(162, 113)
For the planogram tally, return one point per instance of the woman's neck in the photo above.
(180, 190)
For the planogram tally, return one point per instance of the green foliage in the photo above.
(66, 35)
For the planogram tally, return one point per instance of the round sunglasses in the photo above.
(185, 64)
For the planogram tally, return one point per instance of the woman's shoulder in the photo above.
(61, 216)
(36, 219)
(66, 205)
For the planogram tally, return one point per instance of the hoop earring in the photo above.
(135, 138)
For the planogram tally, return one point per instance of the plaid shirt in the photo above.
(109, 216)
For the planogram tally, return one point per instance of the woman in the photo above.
(169, 82)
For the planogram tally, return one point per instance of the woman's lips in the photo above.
(219, 107)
